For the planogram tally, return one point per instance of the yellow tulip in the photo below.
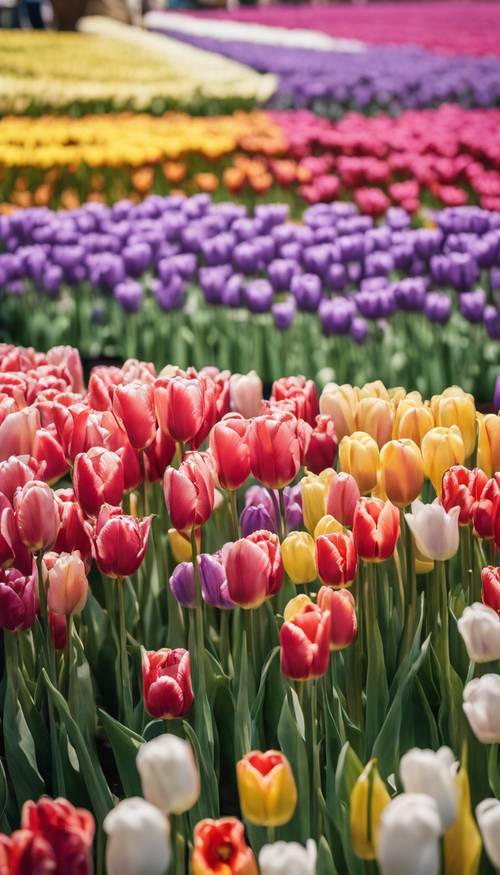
(462, 842)
(267, 788)
(295, 606)
(375, 417)
(377, 389)
(339, 402)
(359, 456)
(458, 410)
(488, 444)
(442, 448)
(314, 489)
(397, 394)
(369, 797)
(180, 546)
(401, 471)
(299, 557)
(327, 525)
(412, 421)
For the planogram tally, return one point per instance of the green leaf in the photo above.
(325, 864)
(20, 751)
(293, 746)
(4, 790)
(125, 744)
(243, 726)
(81, 698)
(208, 803)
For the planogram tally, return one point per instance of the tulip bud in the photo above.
(18, 598)
(462, 488)
(401, 471)
(412, 421)
(458, 410)
(37, 515)
(138, 839)
(359, 456)
(336, 559)
(169, 774)
(374, 416)
(490, 578)
(255, 517)
(488, 444)
(230, 451)
(288, 858)
(298, 552)
(441, 448)
(67, 831)
(214, 588)
(221, 843)
(482, 707)
(247, 569)
(166, 678)
(190, 491)
(479, 627)
(133, 408)
(488, 818)
(435, 531)
(369, 797)
(98, 479)
(245, 391)
(120, 541)
(343, 621)
(339, 402)
(342, 498)
(432, 772)
(314, 490)
(305, 644)
(66, 582)
(266, 787)
(322, 449)
(182, 584)
(409, 836)
(375, 529)
(73, 534)
(275, 449)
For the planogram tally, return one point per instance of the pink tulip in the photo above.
(134, 410)
(66, 581)
(37, 515)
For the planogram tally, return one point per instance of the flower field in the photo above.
(250, 444)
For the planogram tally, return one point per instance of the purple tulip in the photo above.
(169, 295)
(258, 296)
(281, 272)
(492, 322)
(284, 314)
(213, 581)
(472, 305)
(182, 584)
(293, 507)
(129, 295)
(307, 292)
(137, 258)
(437, 307)
(255, 517)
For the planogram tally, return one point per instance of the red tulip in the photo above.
(18, 598)
(343, 496)
(15, 472)
(24, 853)
(69, 358)
(72, 535)
(100, 392)
(336, 558)
(47, 451)
(462, 488)
(158, 456)
(305, 644)
(322, 449)
(78, 428)
(490, 578)
(230, 451)
(269, 543)
(166, 678)
(134, 410)
(37, 515)
(116, 439)
(301, 395)
(275, 450)
(67, 830)
(247, 573)
(375, 529)
(98, 479)
(484, 511)
(17, 432)
(59, 630)
(186, 407)
(221, 383)
(343, 621)
(120, 541)
(190, 491)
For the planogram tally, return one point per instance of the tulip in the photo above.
(69, 358)
(15, 473)
(342, 498)
(37, 515)
(288, 858)
(462, 841)
(169, 774)
(220, 849)
(247, 572)
(488, 444)
(490, 578)
(275, 450)
(230, 451)
(488, 818)
(73, 534)
(343, 621)
(180, 544)
(257, 516)
(314, 489)
(134, 410)
(98, 479)
(18, 598)
(375, 529)
(322, 449)
(409, 836)
(120, 541)
(328, 525)
(339, 402)
(374, 416)
(435, 531)
(441, 448)
(296, 606)
(245, 391)
(336, 559)
(482, 707)
(359, 456)
(186, 407)
(189, 491)
(479, 627)
(485, 510)
(458, 410)
(305, 644)
(66, 830)
(432, 772)
(25, 853)
(48, 454)
(401, 471)
(138, 839)
(166, 678)
(214, 586)
(182, 584)
(412, 421)
(266, 787)
(462, 488)
(66, 581)
(269, 543)
(78, 428)
(300, 394)
(17, 432)
(298, 552)
(158, 456)
(369, 797)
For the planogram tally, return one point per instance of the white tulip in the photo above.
(408, 840)
(288, 858)
(482, 707)
(138, 839)
(169, 774)
(432, 773)
(479, 626)
(246, 393)
(488, 818)
(435, 531)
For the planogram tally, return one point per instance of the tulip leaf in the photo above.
(325, 864)
(377, 692)
(259, 700)
(293, 746)
(81, 699)
(243, 727)
(125, 744)
(208, 803)
(38, 728)
(20, 750)
(494, 769)
(349, 768)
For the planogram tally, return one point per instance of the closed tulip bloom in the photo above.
(247, 572)
(298, 552)
(166, 678)
(275, 451)
(230, 451)
(441, 448)
(266, 787)
(66, 581)
(482, 707)
(158, 456)
(343, 621)
(68, 831)
(485, 510)
(314, 490)
(458, 410)
(359, 456)
(322, 449)
(488, 818)
(48, 453)
(409, 832)
(369, 797)
(169, 774)
(490, 579)
(17, 432)
(257, 516)
(340, 403)
(78, 427)
(288, 858)
(305, 644)
(269, 543)
(98, 479)
(190, 491)
(134, 410)
(18, 598)
(462, 488)
(412, 421)
(434, 773)
(328, 525)
(375, 529)
(245, 391)
(213, 580)
(336, 559)
(73, 534)
(435, 531)
(15, 473)
(479, 627)
(120, 542)
(488, 444)
(374, 416)
(37, 515)
(182, 584)
(342, 498)
(220, 849)
(401, 471)
(138, 839)
(186, 407)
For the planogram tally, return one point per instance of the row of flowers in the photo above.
(102, 276)
(129, 548)
(448, 156)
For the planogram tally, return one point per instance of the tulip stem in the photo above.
(224, 641)
(178, 845)
(233, 505)
(200, 635)
(127, 706)
(271, 835)
(284, 524)
(311, 727)
(411, 588)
